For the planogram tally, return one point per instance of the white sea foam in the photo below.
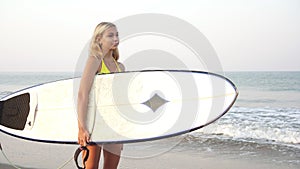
(279, 125)
(253, 132)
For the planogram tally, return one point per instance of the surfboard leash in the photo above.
(77, 153)
(76, 156)
(10, 163)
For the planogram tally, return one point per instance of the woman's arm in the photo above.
(86, 82)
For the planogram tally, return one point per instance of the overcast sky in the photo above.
(248, 35)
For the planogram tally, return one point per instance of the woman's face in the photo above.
(110, 39)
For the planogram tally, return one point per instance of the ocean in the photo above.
(264, 120)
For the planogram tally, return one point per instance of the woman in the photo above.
(102, 58)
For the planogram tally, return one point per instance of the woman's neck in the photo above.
(108, 55)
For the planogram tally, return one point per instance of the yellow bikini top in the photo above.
(104, 68)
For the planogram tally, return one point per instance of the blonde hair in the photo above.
(95, 48)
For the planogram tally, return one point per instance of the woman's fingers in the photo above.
(87, 138)
(83, 138)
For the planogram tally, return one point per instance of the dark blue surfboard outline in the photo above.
(131, 140)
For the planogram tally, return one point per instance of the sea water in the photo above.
(264, 119)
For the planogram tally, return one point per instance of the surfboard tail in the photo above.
(14, 111)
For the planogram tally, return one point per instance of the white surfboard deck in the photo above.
(126, 107)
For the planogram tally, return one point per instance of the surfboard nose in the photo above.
(160, 103)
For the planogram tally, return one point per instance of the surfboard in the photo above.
(124, 107)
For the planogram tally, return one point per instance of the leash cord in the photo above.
(10, 163)
(76, 154)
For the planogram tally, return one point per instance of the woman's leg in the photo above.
(94, 156)
(112, 154)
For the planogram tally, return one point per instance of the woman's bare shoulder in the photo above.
(92, 65)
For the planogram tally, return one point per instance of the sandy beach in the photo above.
(173, 160)
(187, 155)
(176, 160)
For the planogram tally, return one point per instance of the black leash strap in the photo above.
(76, 155)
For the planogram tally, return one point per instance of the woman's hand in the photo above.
(83, 137)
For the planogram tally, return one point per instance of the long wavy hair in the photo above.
(95, 48)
